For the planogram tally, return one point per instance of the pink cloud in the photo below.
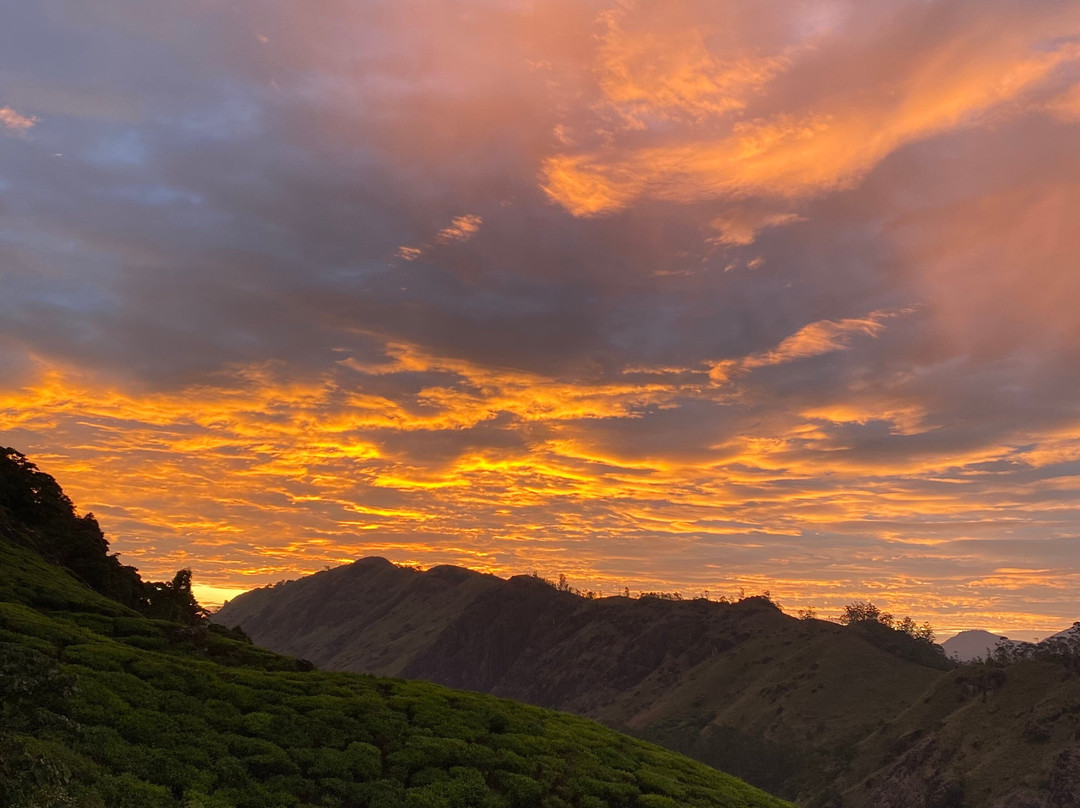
(16, 122)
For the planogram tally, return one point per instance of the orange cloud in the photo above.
(462, 228)
(16, 122)
(740, 228)
(260, 476)
(815, 339)
(805, 149)
(904, 419)
(649, 70)
(409, 253)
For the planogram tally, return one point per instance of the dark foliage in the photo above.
(1061, 650)
(34, 511)
(904, 638)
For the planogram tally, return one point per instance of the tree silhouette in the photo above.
(863, 611)
(35, 511)
(174, 600)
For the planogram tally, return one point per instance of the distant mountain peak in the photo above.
(974, 644)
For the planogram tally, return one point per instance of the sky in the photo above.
(692, 295)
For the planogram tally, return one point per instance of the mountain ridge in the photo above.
(824, 714)
(647, 665)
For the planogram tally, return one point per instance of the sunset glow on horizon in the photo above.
(686, 296)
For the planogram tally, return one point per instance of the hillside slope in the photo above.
(817, 712)
(740, 686)
(102, 706)
(1002, 737)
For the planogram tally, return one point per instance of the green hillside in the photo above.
(779, 702)
(830, 716)
(107, 707)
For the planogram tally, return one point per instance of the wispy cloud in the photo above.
(813, 339)
(741, 228)
(462, 228)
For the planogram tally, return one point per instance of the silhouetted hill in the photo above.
(370, 615)
(102, 707)
(737, 685)
(827, 714)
